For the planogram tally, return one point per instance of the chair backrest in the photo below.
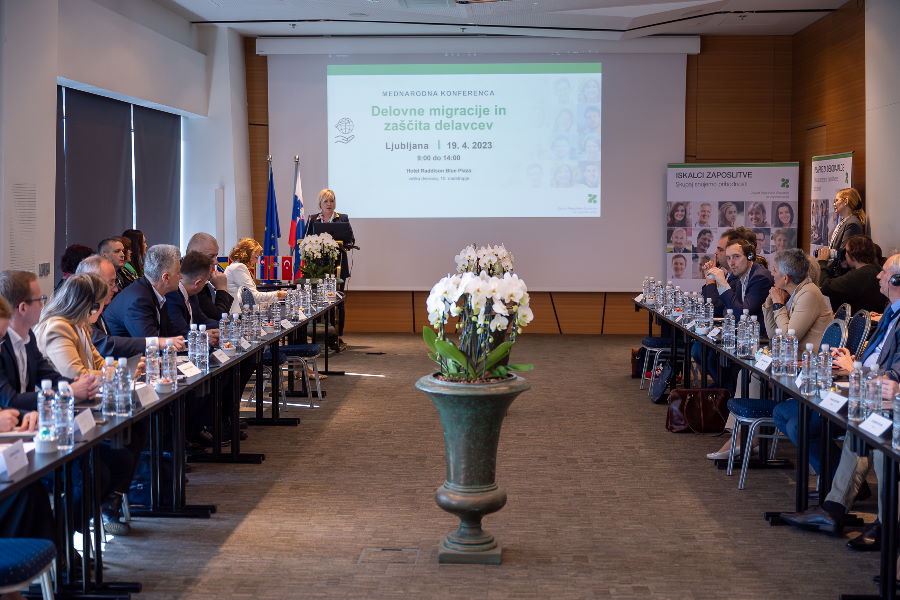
(247, 298)
(835, 334)
(843, 312)
(858, 331)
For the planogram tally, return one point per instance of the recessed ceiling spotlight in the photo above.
(357, 15)
(477, 1)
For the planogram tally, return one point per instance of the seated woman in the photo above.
(64, 337)
(858, 286)
(244, 257)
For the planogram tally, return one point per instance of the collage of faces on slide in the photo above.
(569, 155)
(693, 229)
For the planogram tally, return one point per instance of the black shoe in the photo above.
(815, 519)
(869, 540)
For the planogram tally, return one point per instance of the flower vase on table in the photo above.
(319, 254)
(472, 391)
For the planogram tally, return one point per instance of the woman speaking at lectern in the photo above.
(327, 204)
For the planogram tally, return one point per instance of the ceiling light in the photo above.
(477, 1)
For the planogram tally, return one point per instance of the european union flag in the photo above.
(273, 231)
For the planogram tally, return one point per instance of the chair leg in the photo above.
(656, 354)
(745, 465)
(47, 583)
(735, 436)
(126, 508)
(644, 370)
(774, 447)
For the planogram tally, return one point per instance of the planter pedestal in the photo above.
(471, 416)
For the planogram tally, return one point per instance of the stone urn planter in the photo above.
(471, 416)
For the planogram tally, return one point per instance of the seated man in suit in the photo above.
(22, 367)
(746, 285)
(114, 345)
(183, 304)
(883, 353)
(139, 310)
(213, 298)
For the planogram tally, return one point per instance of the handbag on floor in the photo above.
(637, 362)
(700, 410)
(660, 382)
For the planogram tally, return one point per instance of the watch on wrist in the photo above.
(777, 305)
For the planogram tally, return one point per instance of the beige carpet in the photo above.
(603, 502)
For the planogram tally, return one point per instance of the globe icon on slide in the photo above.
(345, 125)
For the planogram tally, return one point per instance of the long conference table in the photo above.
(834, 420)
(82, 576)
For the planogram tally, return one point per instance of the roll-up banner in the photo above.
(830, 173)
(705, 200)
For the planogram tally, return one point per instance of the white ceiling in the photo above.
(605, 19)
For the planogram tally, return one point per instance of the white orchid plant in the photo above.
(490, 310)
(493, 260)
(319, 253)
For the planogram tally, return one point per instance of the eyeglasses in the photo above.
(42, 299)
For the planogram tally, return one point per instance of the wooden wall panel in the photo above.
(381, 312)
(619, 315)
(828, 108)
(579, 313)
(256, 72)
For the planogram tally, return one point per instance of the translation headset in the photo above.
(749, 253)
(895, 279)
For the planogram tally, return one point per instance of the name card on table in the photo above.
(833, 402)
(245, 345)
(285, 324)
(84, 423)
(221, 356)
(799, 381)
(14, 457)
(300, 314)
(189, 369)
(267, 330)
(763, 361)
(146, 394)
(714, 332)
(690, 325)
(639, 298)
(876, 425)
(678, 318)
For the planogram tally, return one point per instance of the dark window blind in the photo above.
(157, 174)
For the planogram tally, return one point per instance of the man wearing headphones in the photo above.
(745, 287)
(882, 353)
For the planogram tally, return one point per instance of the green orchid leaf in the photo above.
(452, 353)
(520, 367)
(497, 354)
(501, 371)
(430, 337)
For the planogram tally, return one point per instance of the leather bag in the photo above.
(700, 410)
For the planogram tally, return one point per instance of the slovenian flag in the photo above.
(298, 225)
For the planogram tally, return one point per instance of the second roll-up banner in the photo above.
(705, 200)
(486, 140)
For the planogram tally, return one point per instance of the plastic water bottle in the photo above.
(895, 434)
(46, 404)
(65, 417)
(123, 388)
(224, 329)
(872, 394)
(108, 387)
(234, 331)
(743, 337)
(808, 374)
(789, 346)
(855, 393)
(824, 374)
(202, 360)
(728, 331)
(170, 364)
(754, 335)
(152, 364)
(775, 347)
(192, 343)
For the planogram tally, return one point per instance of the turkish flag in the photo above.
(287, 268)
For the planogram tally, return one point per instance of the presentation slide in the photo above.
(466, 140)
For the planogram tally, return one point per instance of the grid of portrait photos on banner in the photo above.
(693, 229)
(569, 155)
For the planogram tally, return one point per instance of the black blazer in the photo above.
(135, 312)
(338, 218)
(180, 317)
(114, 345)
(858, 287)
(847, 229)
(214, 302)
(38, 368)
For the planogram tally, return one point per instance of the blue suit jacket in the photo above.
(114, 345)
(889, 359)
(135, 312)
(757, 290)
(179, 316)
(38, 368)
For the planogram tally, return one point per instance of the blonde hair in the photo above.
(77, 297)
(325, 194)
(854, 203)
(243, 251)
